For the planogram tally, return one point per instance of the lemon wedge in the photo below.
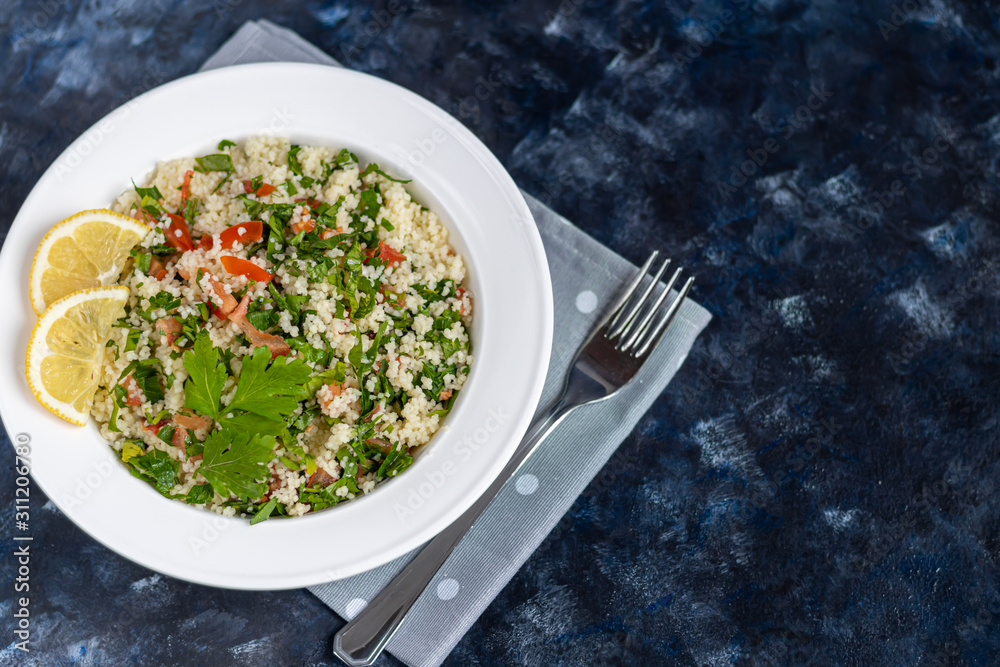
(88, 249)
(66, 350)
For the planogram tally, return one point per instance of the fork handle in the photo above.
(361, 641)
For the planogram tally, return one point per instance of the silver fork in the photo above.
(607, 361)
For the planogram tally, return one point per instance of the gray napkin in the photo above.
(585, 277)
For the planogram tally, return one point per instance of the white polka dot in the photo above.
(448, 589)
(354, 606)
(526, 484)
(586, 301)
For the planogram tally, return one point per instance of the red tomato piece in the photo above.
(244, 232)
(177, 234)
(243, 267)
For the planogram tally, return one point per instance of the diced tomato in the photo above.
(140, 214)
(155, 428)
(306, 226)
(186, 187)
(156, 268)
(180, 435)
(264, 190)
(242, 267)
(244, 232)
(169, 327)
(178, 235)
(310, 202)
(386, 253)
(229, 302)
(390, 255)
(276, 344)
(205, 242)
(193, 422)
(320, 478)
(133, 393)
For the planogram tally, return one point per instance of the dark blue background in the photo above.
(818, 485)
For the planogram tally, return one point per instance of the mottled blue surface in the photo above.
(818, 485)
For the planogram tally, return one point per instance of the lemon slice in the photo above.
(88, 249)
(66, 349)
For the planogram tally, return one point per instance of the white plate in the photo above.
(455, 175)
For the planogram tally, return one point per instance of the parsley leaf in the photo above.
(215, 162)
(265, 512)
(203, 388)
(269, 392)
(372, 167)
(157, 468)
(152, 193)
(234, 462)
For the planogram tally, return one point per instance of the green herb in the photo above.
(269, 391)
(146, 379)
(234, 463)
(215, 162)
(293, 159)
(337, 375)
(344, 157)
(164, 300)
(132, 340)
(372, 167)
(190, 209)
(439, 292)
(387, 225)
(143, 262)
(263, 319)
(157, 468)
(153, 192)
(224, 144)
(396, 461)
(369, 203)
(203, 388)
(265, 512)
(200, 494)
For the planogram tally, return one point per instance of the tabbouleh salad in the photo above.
(296, 328)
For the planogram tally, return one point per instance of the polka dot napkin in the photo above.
(584, 275)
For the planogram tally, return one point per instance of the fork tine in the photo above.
(644, 324)
(625, 325)
(620, 306)
(661, 327)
